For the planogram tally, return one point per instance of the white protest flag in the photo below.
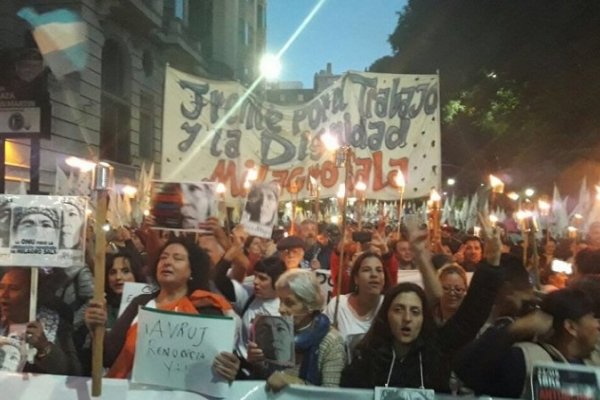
(594, 214)
(83, 186)
(177, 350)
(558, 211)
(583, 201)
(464, 213)
(472, 214)
(446, 212)
(61, 182)
(61, 37)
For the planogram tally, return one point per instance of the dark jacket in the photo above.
(433, 354)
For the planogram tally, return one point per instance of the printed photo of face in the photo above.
(73, 221)
(197, 203)
(10, 358)
(274, 335)
(36, 225)
(262, 204)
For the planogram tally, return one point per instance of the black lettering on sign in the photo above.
(198, 90)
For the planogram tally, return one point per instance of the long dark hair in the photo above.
(380, 333)
(199, 264)
(356, 268)
(113, 298)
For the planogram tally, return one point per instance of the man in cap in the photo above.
(291, 251)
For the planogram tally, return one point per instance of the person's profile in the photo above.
(274, 335)
(72, 230)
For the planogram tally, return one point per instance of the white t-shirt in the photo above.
(350, 325)
(257, 307)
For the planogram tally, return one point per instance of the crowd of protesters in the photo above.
(481, 316)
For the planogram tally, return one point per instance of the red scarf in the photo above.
(187, 305)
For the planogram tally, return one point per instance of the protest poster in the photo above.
(12, 354)
(274, 335)
(42, 231)
(177, 350)
(394, 393)
(390, 122)
(550, 381)
(260, 211)
(132, 290)
(183, 206)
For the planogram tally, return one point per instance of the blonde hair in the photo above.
(453, 268)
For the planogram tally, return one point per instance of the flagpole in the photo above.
(102, 178)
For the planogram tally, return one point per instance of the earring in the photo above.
(191, 278)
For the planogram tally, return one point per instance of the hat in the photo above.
(290, 242)
(22, 212)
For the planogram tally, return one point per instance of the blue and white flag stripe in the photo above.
(61, 36)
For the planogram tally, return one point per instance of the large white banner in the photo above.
(42, 231)
(216, 131)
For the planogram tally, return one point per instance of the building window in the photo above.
(260, 17)
(147, 126)
(115, 109)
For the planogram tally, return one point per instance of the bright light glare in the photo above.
(252, 174)
(529, 192)
(400, 182)
(451, 181)
(129, 191)
(270, 66)
(513, 196)
(80, 164)
(330, 141)
(341, 191)
(360, 186)
(435, 196)
(221, 188)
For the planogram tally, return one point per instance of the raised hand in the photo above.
(493, 242)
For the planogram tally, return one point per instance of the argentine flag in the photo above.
(61, 36)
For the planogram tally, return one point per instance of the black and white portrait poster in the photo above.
(274, 335)
(551, 381)
(183, 206)
(42, 231)
(260, 211)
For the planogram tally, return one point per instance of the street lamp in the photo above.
(451, 181)
(529, 192)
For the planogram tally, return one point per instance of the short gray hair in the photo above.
(304, 285)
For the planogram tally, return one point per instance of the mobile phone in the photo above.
(561, 266)
(362, 236)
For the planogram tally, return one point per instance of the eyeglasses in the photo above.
(457, 290)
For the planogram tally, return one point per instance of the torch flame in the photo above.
(400, 182)
(496, 184)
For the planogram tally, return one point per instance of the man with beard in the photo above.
(312, 248)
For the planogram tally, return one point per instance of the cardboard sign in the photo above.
(183, 206)
(550, 381)
(177, 350)
(260, 212)
(131, 290)
(42, 231)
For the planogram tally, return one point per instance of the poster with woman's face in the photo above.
(260, 211)
(274, 335)
(183, 206)
(42, 231)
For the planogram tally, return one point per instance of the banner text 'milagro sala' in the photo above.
(211, 131)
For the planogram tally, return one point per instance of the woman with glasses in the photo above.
(453, 279)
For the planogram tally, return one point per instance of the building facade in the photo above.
(112, 109)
